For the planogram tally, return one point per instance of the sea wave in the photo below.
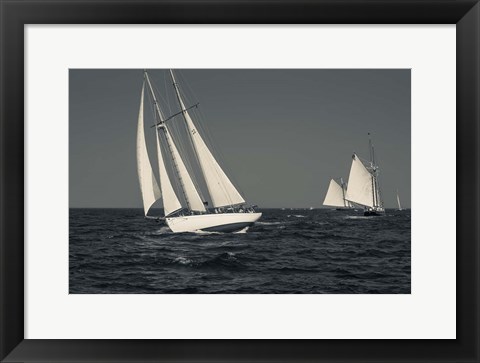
(310, 252)
(182, 260)
(268, 223)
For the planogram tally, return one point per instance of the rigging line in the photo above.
(152, 108)
(379, 194)
(187, 166)
(171, 170)
(175, 114)
(221, 184)
(376, 173)
(167, 161)
(166, 93)
(179, 100)
(174, 163)
(160, 98)
(186, 159)
(216, 152)
(221, 160)
(164, 152)
(180, 130)
(170, 147)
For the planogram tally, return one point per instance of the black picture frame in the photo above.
(15, 14)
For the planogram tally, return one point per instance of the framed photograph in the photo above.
(240, 181)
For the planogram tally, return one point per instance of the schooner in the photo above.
(190, 212)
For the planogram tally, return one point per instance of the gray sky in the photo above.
(281, 134)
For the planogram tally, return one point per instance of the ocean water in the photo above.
(317, 251)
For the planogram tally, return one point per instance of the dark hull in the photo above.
(371, 213)
(226, 228)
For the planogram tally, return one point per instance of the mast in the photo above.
(182, 110)
(167, 138)
(343, 192)
(374, 172)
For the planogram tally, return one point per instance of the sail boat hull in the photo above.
(370, 213)
(222, 222)
(374, 212)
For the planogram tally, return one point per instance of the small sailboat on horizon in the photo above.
(398, 202)
(363, 187)
(189, 213)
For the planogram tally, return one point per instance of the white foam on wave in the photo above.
(242, 231)
(268, 223)
(162, 230)
(231, 256)
(183, 260)
(296, 216)
(204, 232)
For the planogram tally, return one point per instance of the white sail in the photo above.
(334, 197)
(170, 200)
(398, 201)
(148, 183)
(221, 190)
(348, 204)
(360, 184)
(194, 201)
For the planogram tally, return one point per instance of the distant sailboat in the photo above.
(229, 211)
(398, 201)
(363, 187)
(335, 196)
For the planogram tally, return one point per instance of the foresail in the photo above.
(148, 183)
(334, 197)
(360, 184)
(221, 189)
(398, 201)
(191, 194)
(170, 200)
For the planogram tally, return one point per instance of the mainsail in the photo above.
(148, 183)
(361, 185)
(222, 191)
(335, 195)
